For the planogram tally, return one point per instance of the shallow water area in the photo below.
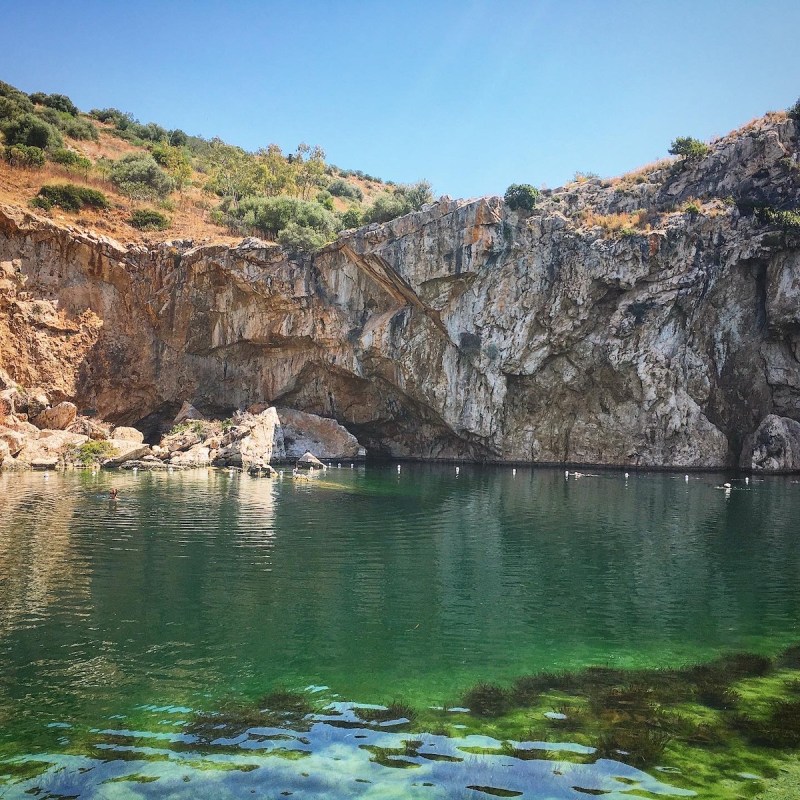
(138, 636)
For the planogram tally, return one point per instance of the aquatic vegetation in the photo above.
(285, 701)
(396, 710)
(487, 700)
(637, 745)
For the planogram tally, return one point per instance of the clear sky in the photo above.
(470, 94)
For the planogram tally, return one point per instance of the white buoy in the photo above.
(686, 478)
(339, 465)
(351, 466)
(46, 475)
(566, 473)
(747, 481)
(513, 471)
(626, 476)
(171, 469)
(136, 469)
(398, 468)
(458, 470)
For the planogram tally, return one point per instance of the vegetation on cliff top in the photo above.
(295, 198)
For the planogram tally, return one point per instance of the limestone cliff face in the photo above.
(462, 331)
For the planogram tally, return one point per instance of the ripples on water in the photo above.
(194, 588)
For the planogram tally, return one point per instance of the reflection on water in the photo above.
(200, 586)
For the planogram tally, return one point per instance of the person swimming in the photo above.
(112, 495)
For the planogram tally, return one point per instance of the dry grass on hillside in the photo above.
(189, 210)
(617, 224)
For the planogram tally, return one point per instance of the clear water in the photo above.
(120, 620)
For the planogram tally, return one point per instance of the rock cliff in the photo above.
(465, 330)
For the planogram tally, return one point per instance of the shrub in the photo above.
(70, 159)
(400, 201)
(521, 196)
(788, 220)
(13, 102)
(794, 111)
(146, 219)
(352, 218)
(688, 148)
(71, 197)
(77, 128)
(138, 176)
(342, 188)
(60, 102)
(271, 215)
(20, 155)
(94, 451)
(301, 238)
(28, 129)
(325, 199)
(691, 208)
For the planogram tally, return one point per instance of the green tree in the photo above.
(234, 173)
(309, 169)
(521, 196)
(688, 148)
(275, 172)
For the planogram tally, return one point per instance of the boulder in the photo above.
(249, 441)
(197, 456)
(48, 446)
(309, 461)
(93, 428)
(58, 417)
(12, 439)
(302, 432)
(187, 411)
(126, 450)
(774, 447)
(32, 402)
(47, 462)
(4, 452)
(178, 442)
(128, 434)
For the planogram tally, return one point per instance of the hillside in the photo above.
(649, 320)
(206, 190)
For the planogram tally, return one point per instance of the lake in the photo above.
(209, 634)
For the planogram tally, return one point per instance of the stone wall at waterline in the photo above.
(464, 331)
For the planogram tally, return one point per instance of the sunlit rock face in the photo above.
(465, 330)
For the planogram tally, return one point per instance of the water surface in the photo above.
(199, 589)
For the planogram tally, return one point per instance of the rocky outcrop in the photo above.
(465, 330)
(774, 447)
(300, 433)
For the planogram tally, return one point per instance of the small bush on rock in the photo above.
(689, 149)
(521, 196)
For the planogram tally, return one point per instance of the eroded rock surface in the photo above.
(465, 330)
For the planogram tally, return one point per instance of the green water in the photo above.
(121, 621)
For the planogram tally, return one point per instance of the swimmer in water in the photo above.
(112, 495)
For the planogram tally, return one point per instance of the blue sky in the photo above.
(470, 94)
